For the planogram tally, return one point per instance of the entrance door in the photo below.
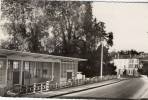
(16, 72)
(16, 77)
(69, 75)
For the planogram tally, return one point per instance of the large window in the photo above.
(15, 65)
(32, 69)
(63, 69)
(39, 70)
(45, 73)
(10, 70)
(2, 71)
(27, 70)
(26, 67)
(1, 64)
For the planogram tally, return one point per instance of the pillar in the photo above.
(21, 72)
(60, 71)
(52, 73)
(6, 73)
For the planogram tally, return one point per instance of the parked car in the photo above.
(15, 91)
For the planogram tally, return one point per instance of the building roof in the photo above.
(5, 52)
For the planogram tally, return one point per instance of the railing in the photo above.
(47, 86)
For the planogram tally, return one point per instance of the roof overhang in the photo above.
(5, 52)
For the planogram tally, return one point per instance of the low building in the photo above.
(26, 68)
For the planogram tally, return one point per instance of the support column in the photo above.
(21, 72)
(6, 73)
(52, 73)
(73, 69)
(60, 71)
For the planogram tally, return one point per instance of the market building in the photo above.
(26, 68)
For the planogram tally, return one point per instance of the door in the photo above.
(16, 77)
(16, 73)
(69, 75)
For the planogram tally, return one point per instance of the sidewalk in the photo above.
(60, 92)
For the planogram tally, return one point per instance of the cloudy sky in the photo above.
(128, 22)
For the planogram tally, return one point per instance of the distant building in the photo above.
(26, 68)
(127, 66)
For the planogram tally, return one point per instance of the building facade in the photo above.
(128, 66)
(27, 68)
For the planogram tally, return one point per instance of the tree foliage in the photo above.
(27, 23)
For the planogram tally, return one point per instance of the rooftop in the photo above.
(5, 52)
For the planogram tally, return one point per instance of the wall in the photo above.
(68, 67)
(56, 73)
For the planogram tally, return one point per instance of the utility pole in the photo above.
(101, 69)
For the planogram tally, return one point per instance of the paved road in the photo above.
(132, 89)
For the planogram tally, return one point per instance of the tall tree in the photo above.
(93, 33)
(67, 29)
(27, 23)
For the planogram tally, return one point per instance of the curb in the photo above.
(85, 89)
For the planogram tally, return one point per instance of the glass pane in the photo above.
(26, 66)
(15, 65)
(1, 64)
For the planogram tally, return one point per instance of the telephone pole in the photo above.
(101, 69)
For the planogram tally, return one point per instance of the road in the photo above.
(129, 89)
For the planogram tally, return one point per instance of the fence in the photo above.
(47, 86)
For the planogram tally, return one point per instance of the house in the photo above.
(26, 68)
(128, 65)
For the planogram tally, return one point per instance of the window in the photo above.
(26, 69)
(10, 68)
(26, 66)
(38, 70)
(15, 65)
(45, 73)
(63, 69)
(32, 69)
(1, 64)
(1, 71)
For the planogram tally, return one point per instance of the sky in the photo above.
(128, 22)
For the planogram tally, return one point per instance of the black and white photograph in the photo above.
(79, 49)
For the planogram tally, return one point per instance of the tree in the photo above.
(67, 29)
(27, 23)
(93, 32)
(59, 28)
(129, 53)
(109, 69)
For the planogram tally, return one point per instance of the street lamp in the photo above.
(101, 69)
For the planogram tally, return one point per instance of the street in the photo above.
(129, 89)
